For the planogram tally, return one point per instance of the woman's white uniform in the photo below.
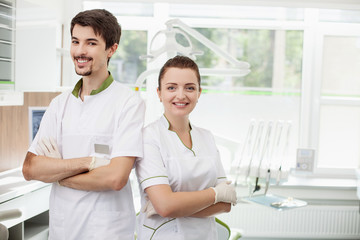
(113, 120)
(168, 161)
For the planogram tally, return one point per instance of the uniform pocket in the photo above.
(102, 146)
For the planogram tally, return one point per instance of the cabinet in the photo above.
(7, 44)
(32, 199)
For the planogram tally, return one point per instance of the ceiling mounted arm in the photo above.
(205, 41)
(172, 48)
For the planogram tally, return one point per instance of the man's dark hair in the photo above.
(103, 23)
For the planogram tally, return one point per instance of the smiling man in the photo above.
(88, 140)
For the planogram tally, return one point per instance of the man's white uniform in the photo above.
(111, 118)
(168, 161)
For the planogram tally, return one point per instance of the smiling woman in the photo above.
(181, 175)
(179, 91)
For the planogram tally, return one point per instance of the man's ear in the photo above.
(113, 49)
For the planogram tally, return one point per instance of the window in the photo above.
(275, 57)
(337, 15)
(304, 70)
(339, 131)
(125, 65)
(340, 69)
(339, 99)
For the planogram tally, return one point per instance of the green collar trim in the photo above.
(103, 86)
(168, 123)
(77, 87)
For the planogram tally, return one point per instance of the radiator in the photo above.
(314, 222)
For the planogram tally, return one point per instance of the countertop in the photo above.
(13, 184)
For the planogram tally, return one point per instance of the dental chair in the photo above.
(224, 232)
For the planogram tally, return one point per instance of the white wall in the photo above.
(213, 110)
(38, 35)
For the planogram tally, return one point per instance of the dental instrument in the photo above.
(267, 181)
(274, 153)
(263, 152)
(256, 147)
(285, 149)
(275, 145)
(247, 144)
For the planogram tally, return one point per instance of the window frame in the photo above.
(314, 31)
(321, 30)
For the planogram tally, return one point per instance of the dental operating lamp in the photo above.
(172, 48)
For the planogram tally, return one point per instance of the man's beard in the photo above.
(88, 73)
(77, 70)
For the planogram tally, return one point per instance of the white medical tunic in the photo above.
(168, 161)
(112, 118)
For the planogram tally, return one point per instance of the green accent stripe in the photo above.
(7, 82)
(221, 177)
(155, 229)
(184, 143)
(224, 225)
(149, 227)
(152, 177)
(104, 85)
(180, 138)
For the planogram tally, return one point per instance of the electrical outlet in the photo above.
(305, 159)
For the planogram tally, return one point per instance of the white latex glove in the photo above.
(149, 209)
(48, 147)
(98, 162)
(224, 192)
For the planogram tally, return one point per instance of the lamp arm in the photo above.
(198, 36)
